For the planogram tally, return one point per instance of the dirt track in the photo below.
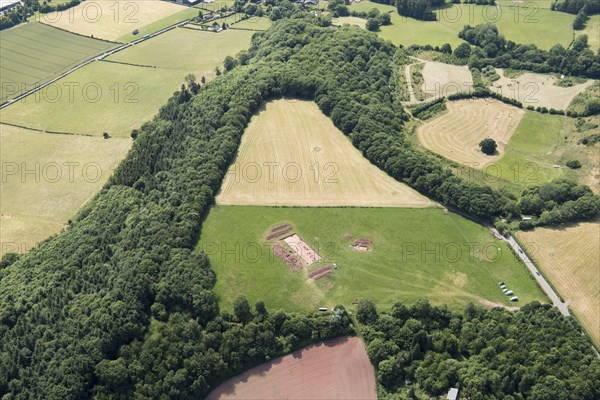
(335, 369)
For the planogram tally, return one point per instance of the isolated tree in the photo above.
(229, 63)
(366, 312)
(372, 24)
(488, 146)
(574, 164)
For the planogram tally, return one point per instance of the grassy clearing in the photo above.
(579, 102)
(115, 20)
(538, 90)
(254, 23)
(418, 82)
(65, 171)
(569, 258)
(528, 22)
(592, 29)
(34, 53)
(292, 154)
(339, 21)
(457, 133)
(116, 98)
(415, 253)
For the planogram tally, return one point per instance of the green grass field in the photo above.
(529, 22)
(435, 261)
(116, 98)
(539, 142)
(34, 53)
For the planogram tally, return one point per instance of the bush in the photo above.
(574, 164)
(526, 225)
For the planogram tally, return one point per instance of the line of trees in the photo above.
(23, 11)
(533, 353)
(493, 49)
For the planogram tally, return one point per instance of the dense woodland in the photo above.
(533, 353)
(120, 305)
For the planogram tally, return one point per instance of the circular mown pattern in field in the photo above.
(335, 369)
(456, 134)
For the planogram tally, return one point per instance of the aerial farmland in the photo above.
(308, 199)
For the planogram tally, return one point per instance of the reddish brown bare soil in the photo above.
(335, 369)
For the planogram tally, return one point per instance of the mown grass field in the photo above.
(34, 53)
(64, 171)
(456, 134)
(433, 261)
(116, 20)
(116, 98)
(292, 154)
(527, 22)
(569, 257)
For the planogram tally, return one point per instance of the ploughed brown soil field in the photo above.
(334, 369)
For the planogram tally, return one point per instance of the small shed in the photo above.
(452, 394)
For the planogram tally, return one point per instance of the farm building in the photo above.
(6, 5)
(452, 394)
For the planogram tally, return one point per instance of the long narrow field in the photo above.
(34, 53)
(115, 97)
(335, 369)
(538, 90)
(116, 20)
(569, 258)
(46, 179)
(526, 22)
(457, 133)
(292, 154)
(414, 253)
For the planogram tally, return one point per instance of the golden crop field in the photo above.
(111, 20)
(46, 178)
(292, 154)
(569, 258)
(456, 134)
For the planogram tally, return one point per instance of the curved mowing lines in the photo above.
(457, 133)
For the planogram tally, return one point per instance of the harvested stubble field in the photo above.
(442, 79)
(116, 19)
(34, 53)
(64, 171)
(115, 97)
(291, 154)
(334, 369)
(456, 134)
(537, 90)
(569, 258)
(406, 263)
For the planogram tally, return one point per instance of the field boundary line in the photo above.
(46, 131)
(79, 34)
(99, 57)
(130, 64)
